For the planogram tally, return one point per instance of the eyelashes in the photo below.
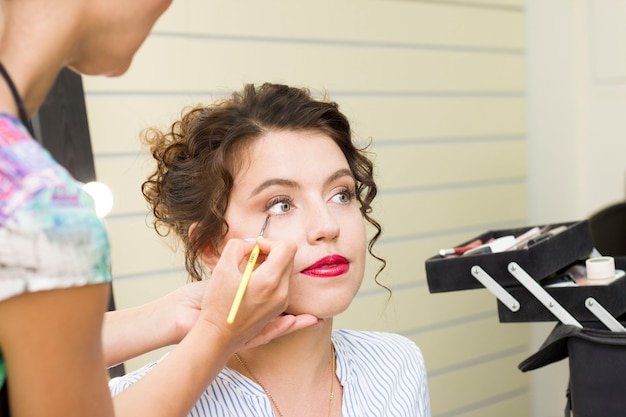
(279, 205)
(346, 196)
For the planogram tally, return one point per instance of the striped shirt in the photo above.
(382, 374)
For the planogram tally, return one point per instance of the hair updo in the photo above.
(188, 192)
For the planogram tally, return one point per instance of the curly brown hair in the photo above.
(197, 156)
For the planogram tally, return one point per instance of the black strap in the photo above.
(568, 403)
(4, 401)
(18, 100)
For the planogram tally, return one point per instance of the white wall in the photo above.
(576, 130)
(576, 100)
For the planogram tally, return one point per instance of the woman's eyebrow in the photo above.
(345, 172)
(273, 181)
(340, 174)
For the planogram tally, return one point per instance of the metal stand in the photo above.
(543, 296)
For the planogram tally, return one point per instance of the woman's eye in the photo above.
(343, 197)
(279, 206)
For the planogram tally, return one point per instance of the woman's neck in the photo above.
(35, 46)
(300, 355)
(297, 372)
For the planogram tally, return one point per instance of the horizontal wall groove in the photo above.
(149, 274)
(389, 143)
(378, 290)
(134, 215)
(479, 229)
(479, 361)
(506, 396)
(474, 4)
(420, 331)
(335, 95)
(133, 155)
(450, 186)
(378, 142)
(342, 43)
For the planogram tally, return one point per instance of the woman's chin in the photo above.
(320, 313)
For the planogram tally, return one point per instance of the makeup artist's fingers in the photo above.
(265, 297)
(270, 279)
(280, 326)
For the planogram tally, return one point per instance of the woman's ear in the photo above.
(208, 255)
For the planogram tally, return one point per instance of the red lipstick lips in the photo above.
(328, 267)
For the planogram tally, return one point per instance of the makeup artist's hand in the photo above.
(185, 304)
(259, 318)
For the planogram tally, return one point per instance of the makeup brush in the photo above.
(246, 274)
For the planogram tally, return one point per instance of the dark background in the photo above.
(61, 126)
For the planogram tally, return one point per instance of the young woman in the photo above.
(54, 252)
(274, 150)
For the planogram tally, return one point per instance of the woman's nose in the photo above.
(322, 225)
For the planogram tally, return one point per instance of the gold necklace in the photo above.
(332, 380)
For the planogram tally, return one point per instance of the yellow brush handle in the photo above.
(244, 283)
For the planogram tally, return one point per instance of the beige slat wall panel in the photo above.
(426, 81)
(446, 163)
(433, 165)
(405, 258)
(146, 288)
(477, 384)
(400, 22)
(518, 406)
(381, 118)
(447, 209)
(432, 116)
(376, 69)
(514, 5)
(116, 120)
(141, 290)
(136, 250)
(124, 176)
(414, 308)
(462, 342)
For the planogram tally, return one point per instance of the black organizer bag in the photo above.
(597, 365)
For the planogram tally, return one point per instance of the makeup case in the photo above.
(517, 277)
(591, 329)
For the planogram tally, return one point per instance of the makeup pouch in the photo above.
(597, 365)
(538, 260)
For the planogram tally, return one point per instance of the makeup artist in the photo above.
(54, 251)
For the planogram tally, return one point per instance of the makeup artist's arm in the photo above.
(163, 322)
(52, 350)
(177, 381)
(166, 321)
